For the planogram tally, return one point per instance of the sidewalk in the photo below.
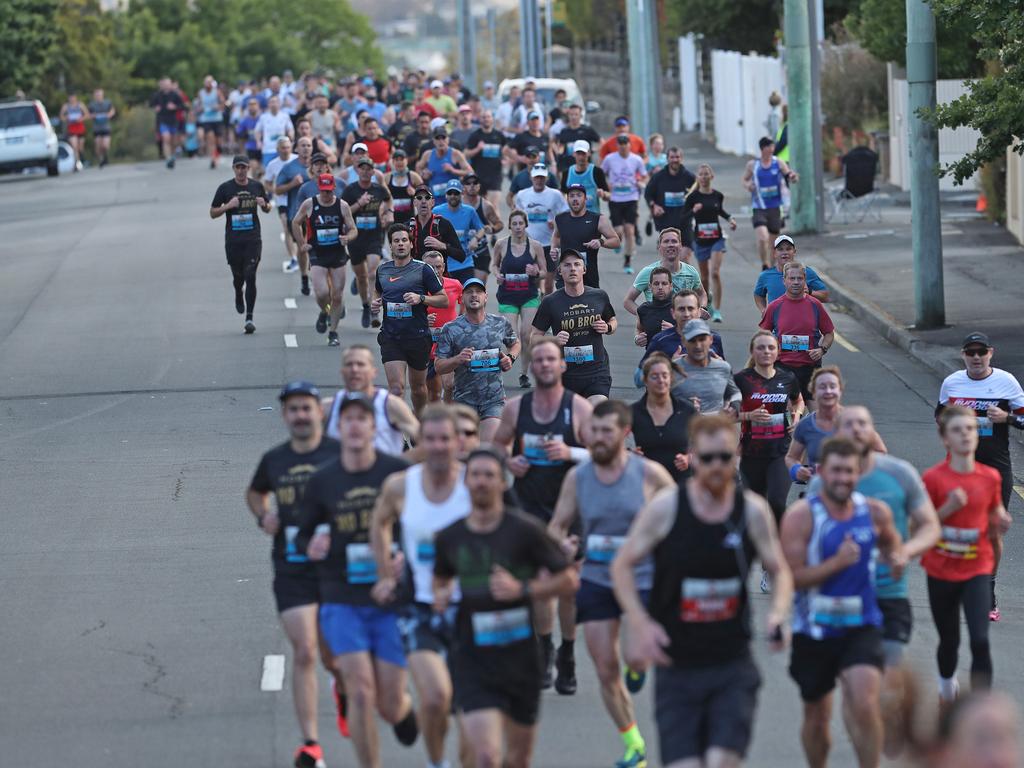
(869, 269)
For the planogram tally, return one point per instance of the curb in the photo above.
(938, 358)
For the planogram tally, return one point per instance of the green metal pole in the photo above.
(803, 202)
(926, 225)
(644, 67)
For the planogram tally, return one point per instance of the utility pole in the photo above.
(926, 226)
(816, 22)
(548, 68)
(801, 128)
(492, 33)
(644, 66)
(529, 38)
(466, 28)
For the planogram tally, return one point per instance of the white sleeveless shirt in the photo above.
(421, 519)
(389, 439)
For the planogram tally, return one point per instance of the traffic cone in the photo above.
(982, 205)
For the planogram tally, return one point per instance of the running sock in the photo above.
(566, 648)
(632, 739)
(993, 592)
(547, 642)
(948, 688)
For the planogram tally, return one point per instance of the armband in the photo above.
(578, 454)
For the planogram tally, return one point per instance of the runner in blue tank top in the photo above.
(589, 175)
(830, 542)
(441, 164)
(764, 178)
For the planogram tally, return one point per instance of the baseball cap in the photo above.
(440, 133)
(474, 281)
(488, 84)
(566, 252)
(533, 115)
(539, 170)
(370, 93)
(470, 177)
(576, 187)
(399, 153)
(317, 157)
(325, 181)
(580, 145)
(438, 122)
(436, 84)
(364, 161)
(357, 399)
(695, 328)
(621, 120)
(453, 185)
(784, 239)
(299, 387)
(240, 160)
(422, 188)
(359, 145)
(465, 108)
(622, 139)
(976, 338)
(532, 151)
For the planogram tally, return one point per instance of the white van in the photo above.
(27, 139)
(546, 89)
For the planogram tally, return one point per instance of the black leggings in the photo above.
(945, 598)
(244, 260)
(770, 478)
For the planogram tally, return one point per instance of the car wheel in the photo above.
(51, 168)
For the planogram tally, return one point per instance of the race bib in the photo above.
(708, 231)
(439, 188)
(435, 334)
(837, 612)
(242, 222)
(491, 150)
(767, 430)
(537, 217)
(501, 627)
(984, 426)
(707, 600)
(291, 552)
(327, 236)
(674, 199)
(517, 282)
(602, 549)
(425, 551)
(360, 565)
(402, 204)
(622, 189)
(534, 451)
(769, 192)
(366, 222)
(959, 543)
(399, 310)
(485, 361)
(795, 343)
(581, 354)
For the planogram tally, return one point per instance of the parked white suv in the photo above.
(27, 139)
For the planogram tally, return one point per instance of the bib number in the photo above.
(959, 543)
(769, 192)
(601, 549)
(795, 343)
(439, 188)
(534, 451)
(485, 361)
(622, 189)
(491, 150)
(538, 218)
(708, 231)
(984, 426)
(366, 222)
(494, 628)
(517, 282)
(837, 612)
(768, 430)
(425, 551)
(327, 236)
(581, 354)
(708, 600)
(360, 565)
(291, 552)
(399, 310)
(242, 222)
(675, 199)
(402, 204)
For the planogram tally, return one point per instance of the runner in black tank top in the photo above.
(518, 287)
(401, 196)
(538, 489)
(573, 232)
(325, 232)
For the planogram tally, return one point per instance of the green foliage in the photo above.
(27, 37)
(854, 95)
(738, 25)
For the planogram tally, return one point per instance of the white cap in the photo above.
(438, 122)
(436, 84)
(539, 170)
(359, 145)
(580, 145)
(784, 239)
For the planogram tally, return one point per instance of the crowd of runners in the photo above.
(435, 535)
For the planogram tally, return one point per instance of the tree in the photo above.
(738, 25)
(27, 38)
(994, 104)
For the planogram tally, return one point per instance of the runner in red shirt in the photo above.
(802, 326)
(443, 385)
(967, 497)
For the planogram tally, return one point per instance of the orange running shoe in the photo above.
(341, 706)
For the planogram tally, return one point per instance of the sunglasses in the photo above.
(976, 352)
(453, 192)
(723, 456)
(423, 197)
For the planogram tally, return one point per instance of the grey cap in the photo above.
(695, 328)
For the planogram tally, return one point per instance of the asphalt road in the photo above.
(136, 602)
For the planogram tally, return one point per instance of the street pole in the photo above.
(529, 38)
(548, 68)
(492, 30)
(926, 226)
(644, 66)
(797, 31)
(466, 28)
(816, 23)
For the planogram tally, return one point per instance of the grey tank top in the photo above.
(607, 511)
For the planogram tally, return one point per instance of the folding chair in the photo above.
(858, 196)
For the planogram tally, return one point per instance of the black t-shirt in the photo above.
(525, 140)
(285, 472)
(344, 501)
(769, 439)
(709, 229)
(415, 145)
(241, 224)
(169, 103)
(399, 131)
(584, 353)
(367, 218)
(487, 163)
(568, 135)
(651, 314)
(669, 191)
(486, 626)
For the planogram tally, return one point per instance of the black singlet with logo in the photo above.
(324, 230)
(241, 224)
(401, 199)
(538, 489)
(573, 232)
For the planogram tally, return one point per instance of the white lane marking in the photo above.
(290, 340)
(844, 343)
(273, 672)
(289, 303)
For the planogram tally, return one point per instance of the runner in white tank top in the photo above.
(389, 438)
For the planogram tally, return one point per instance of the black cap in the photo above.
(240, 160)
(566, 252)
(440, 133)
(976, 338)
(318, 157)
(423, 188)
(399, 153)
(364, 161)
(358, 400)
(300, 387)
(576, 187)
(470, 177)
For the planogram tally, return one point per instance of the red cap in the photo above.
(325, 181)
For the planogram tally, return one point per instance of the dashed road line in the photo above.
(290, 340)
(273, 672)
(290, 303)
(844, 343)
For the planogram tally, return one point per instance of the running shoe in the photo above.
(213, 165)
(649, 229)
(639, 239)
(353, 288)
(634, 758)
(341, 708)
(716, 316)
(305, 285)
(239, 304)
(333, 340)
(250, 327)
(565, 679)
(766, 582)
(994, 614)
(310, 756)
(321, 322)
(524, 381)
(366, 316)
(406, 730)
(170, 162)
(634, 680)
(292, 266)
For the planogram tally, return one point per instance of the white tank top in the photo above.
(389, 439)
(421, 519)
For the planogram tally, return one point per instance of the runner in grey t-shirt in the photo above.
(471, 346)
(709, 379)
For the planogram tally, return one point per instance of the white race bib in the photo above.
(794, 343)
(580, 354)
(708, 600)
(492, 628)
(837, 612)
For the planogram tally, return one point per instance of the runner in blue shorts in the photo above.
(706, 206)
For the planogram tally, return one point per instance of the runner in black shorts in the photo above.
(703, 536)
(284, 471)
(580, 317)
(404, 288)
(488, 213)
(495, 665)
(239, 198)
(371, 207)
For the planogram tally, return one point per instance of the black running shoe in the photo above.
(354, 287)
(305, 285)
(333, 340)
(406, 729)
(649, 229)
(548, 679)
(366, 316)
(239, 304)
(524, 381)
(321, 322)
(250, 327)
(565, 680)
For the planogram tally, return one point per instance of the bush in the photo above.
(854, 95)
(134, 135)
